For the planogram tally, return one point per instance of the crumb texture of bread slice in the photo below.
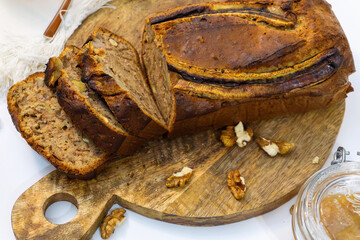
(112, 68)
(39, 118)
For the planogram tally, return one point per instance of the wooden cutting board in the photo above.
(138, 182)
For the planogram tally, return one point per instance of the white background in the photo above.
(21, 167)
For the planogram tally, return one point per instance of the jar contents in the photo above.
(340, 215)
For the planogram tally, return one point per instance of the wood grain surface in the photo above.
(138, 182)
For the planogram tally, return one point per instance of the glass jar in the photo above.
(341, 179)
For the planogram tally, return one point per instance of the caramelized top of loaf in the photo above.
(252, 48)
(39, 118)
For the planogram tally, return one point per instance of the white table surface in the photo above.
(21, 167)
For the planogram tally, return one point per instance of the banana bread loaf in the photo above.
(208, 65)
(215, 64)
(91, 115)
(39, 118)
(112, 68)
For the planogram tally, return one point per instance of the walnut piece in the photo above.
(243, 137)
(316, 160)
(115, 218)
(236, 184)
(228, 137)
(179, 179)
(273, 147)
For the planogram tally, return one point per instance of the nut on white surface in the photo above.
(115, 218)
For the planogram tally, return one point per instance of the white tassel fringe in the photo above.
(22, 55)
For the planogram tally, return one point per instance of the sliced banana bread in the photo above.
(91, 115)
(39, 118)
(112, 68)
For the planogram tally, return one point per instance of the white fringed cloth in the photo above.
(21, 55)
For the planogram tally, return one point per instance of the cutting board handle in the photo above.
(28, 214)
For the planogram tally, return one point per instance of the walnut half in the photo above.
(236, 184)
(272, 147)
(179, 179)
(228, 137)
(237, 134)
(115, 218)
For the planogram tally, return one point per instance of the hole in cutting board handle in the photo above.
(60, 208)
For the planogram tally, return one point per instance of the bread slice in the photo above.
(158, 75)
(39, 118)
(55, 64)
(112, 68)
(91, 115)
(214, 64)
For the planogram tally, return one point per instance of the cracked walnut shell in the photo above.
(272, 147)
(179, 179)
(109, 223)
(236, 184)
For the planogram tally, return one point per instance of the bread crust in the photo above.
(199, 114)
(15, 112)
(293, 58)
